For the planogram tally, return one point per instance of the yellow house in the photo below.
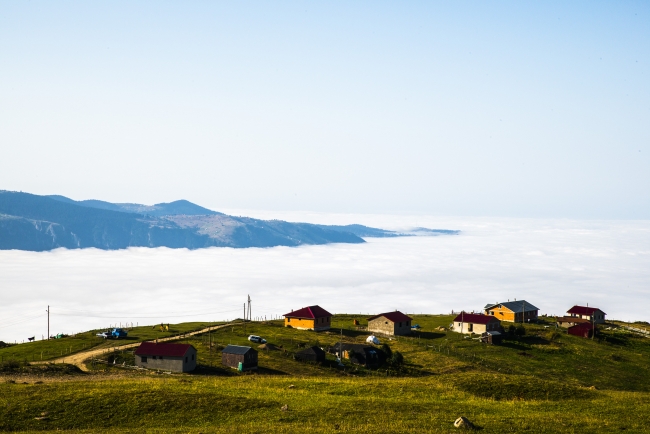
(309, 318)
(513, 311)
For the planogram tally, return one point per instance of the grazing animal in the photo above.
(31, 339)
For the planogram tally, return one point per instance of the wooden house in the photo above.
(591, 314)
(309, 318)
(359, 354)
(390, 323)
(311, 354)
(468, 323)
(513, 311)
(234, 355)
(166, 357)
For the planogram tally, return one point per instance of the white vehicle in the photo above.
(256, 339)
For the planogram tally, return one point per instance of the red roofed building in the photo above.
(166, 357)
(593, 314)
(390, 323)
(475, 323)
(309, 318)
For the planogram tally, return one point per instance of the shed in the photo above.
(167, 357)
(492, 337)
(311, 354)
(390, 323)
(233, 355)
(366, 355)
(475, 323)
(309, 318)
(584, 330)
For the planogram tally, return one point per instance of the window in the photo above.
(154, 357)
(143, 359)
(400, 324)
(288, 319)
(160, 357)
(192, 356)
(185, 359)
(470, 327)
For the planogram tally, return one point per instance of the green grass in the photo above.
(55, 348)
(545, 381)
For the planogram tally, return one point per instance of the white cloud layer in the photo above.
(551, 263)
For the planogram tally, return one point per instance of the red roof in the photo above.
(475, 318)
(169, 350)
(583, 310)
(309, 312)
(396, 316)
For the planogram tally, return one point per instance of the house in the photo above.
(569, 321)
(167, 357)
(365, 355)
(390, 323)
(585, 330)
(239, 357)
(311, 354)
(309, 318)
(592, 314)
(475, 323)
(513, 311)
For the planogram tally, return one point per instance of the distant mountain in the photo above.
(39, 223)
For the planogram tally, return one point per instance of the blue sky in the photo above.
(448, 108)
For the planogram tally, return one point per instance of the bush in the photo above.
(511, 329)
(386, 349)
(520, 330)
(396, 360)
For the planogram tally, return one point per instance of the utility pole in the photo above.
(48, 322)
(249, 308)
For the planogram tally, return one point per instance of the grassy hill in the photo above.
(544, 381)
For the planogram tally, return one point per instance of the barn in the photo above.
(311, 354)
(390, 323)
(584, 330)
(166, 357)
(234, 355)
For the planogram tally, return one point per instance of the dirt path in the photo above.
(79, 358)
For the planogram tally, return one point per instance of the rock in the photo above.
(45, 413)
(285, 407)
(292, 386)
(463, 423)
(592, 388)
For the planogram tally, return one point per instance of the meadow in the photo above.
(543, 381)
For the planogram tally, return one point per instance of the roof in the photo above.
(583, 310)
(475, 318)
(236, 349)
(573, 319)
(312, 350)
(309, 312)
(395, 316)
(168, 350)
(515, 306)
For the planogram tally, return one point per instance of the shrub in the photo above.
(520, 330)
(386, 349)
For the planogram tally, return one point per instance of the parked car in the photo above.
(256, 339)
(104, 335)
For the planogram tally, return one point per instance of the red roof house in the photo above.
(309, 318)
(167, 357)
(390, 323)
(593, 314)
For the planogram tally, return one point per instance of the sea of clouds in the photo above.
(553, 264)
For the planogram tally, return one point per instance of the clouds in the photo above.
(552, 263)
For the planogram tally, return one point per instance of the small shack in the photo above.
(492, 337)
(309, 318)
(584, 330)
(390, 324)
(365, 355)
(311, 354)
(234, 355)
(166, 357)
(569, 321)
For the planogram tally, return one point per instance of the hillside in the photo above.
(544, 381)
(39, 223)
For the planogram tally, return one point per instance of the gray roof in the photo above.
(515, 306)
(236, 349)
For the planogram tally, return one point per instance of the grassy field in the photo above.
(544, 381)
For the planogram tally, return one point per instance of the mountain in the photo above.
(40, 223)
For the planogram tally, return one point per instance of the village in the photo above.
(488, 327)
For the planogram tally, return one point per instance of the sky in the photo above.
(510, 109)
(551, 263)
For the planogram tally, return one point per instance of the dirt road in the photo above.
(79, 358)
